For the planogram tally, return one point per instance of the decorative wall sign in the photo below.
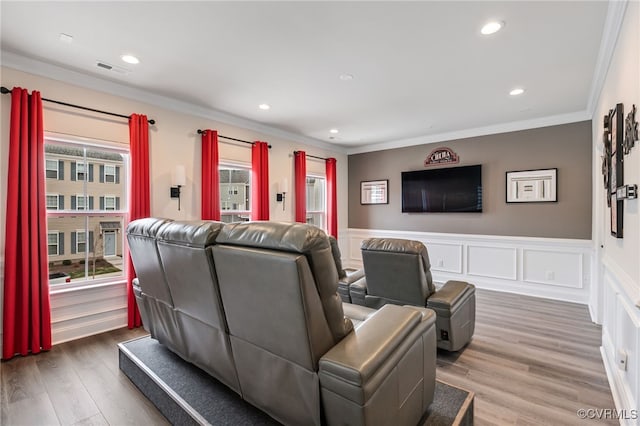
(630, 130)
(441, 156)
(532, 186)
(616, 173)
(374, 192)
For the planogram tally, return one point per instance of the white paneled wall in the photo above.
(83, 312)
(544, 267)
(621, 339)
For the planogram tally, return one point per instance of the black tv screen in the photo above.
(453, 189)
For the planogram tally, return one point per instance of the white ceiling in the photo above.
(420, 68)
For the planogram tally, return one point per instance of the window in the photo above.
(316, 201)
(109, 202)
(52, 243)
(53, 202)
(51, 169)
(80, 171)
(235, 193)
(110, 173)
(81, 241)
(94, 236)
(81, 202)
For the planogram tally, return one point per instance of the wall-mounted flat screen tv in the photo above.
(452, 189)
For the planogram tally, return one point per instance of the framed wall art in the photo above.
(374, 192)
(532, 186)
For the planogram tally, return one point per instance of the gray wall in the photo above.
(565, 147)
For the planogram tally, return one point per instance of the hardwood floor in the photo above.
(76, 383)
(531, 361)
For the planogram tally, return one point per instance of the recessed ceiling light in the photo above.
(492, 27)
(264, 106)
(333, 131)
(130, 59)
(517, 91)
(65, 38)
(346, 77)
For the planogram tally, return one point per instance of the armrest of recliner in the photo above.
(450, 294)
(344, 283)
(358, 291)
(371, 351)
(352, 275)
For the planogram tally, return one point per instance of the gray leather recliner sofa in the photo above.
(398, 271)
(255, 305)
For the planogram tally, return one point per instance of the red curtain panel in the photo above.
(27, 314)
(260, 181)
(332, 197)
(139, 205)
(210, 176)
(300, 175)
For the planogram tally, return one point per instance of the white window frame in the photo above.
(85, 242)
(109, 173)
(57, 235)
(85, 202)
(110, 197)
(85, 167)
(48, 169)
(237, 212)
(322, 212)
(57, 201)
(120, 215)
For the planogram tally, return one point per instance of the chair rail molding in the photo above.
(552, 268)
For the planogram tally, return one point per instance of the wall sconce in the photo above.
(179, 180)
(282, 191)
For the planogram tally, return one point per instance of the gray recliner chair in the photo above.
(398, 271)
(298, 357)
(178, 295)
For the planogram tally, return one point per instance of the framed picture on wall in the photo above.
(374, 192)
(532, 186)
(616, 178)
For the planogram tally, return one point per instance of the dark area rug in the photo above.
(185, 395)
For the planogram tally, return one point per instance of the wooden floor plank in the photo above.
(68, 395)
(532, 361)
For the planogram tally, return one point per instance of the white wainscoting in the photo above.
(82, 312)
(621, 338)
(553, 268)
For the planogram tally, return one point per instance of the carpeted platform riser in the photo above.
(163, 402)
(199, 398)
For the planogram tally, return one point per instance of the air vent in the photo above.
(105, 66)
(114, 68)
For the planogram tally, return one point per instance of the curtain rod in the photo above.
(4, 91)
(313, 156)
(200, 131)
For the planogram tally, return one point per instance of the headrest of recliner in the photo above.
(397, 245)
(198, 233)
(146, 227)
(292, 237)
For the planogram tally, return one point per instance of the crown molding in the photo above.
(512, 126)
(76, 78)
(612, 25)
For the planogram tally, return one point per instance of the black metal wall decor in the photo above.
(606, 157)
(630, 131)
(616, 171)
